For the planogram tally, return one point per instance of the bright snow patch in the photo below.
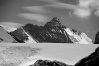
(10, 26)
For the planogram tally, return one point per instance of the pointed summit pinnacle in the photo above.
(55, 19)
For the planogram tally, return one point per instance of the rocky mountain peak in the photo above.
(54, 22)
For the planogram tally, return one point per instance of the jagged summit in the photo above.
(51, 32)
(54, 22)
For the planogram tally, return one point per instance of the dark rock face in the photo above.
(48, 63)
(19, 35)
(52, 31)
(91, 60)
(97, 38)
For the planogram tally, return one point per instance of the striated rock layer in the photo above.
(52, 32)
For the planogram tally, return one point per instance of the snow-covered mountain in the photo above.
(52, 32)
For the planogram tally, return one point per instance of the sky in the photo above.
(35, 11)
(68, 53)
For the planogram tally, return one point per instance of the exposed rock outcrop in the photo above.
(49, 63)
(21, 36)
(51, 32)
(91, 60)
(97, 38)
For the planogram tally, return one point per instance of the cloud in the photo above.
(82, 13)
(63, 6)
(79, 11)
(36, 17)
(88, 7)
(36, 9)
(85, 3)
(10, 24)
(50, 1)
(82, 9)
(97, 13)
(58, 4)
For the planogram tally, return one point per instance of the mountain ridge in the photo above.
(52, 32)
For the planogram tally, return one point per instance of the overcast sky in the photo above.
(20, 11)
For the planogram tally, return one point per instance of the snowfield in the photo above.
(69, 54)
